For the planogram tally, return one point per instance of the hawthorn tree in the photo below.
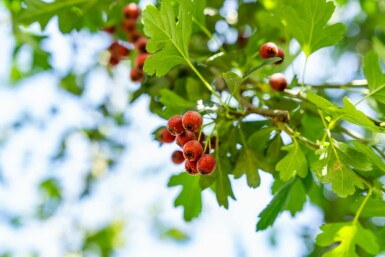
(322, 143)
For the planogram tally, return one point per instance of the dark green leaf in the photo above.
(247, 163)
(190, 196)
(291, 196)
(375, 76)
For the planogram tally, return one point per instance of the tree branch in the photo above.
(278, 115)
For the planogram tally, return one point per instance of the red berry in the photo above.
(165, 137)
(184, 137)
(113, 61)
(192, 150)
(131, 11)
(109, 29)
(140, 45)
(140, 59)
(128, 25)
(133, 36)
(206, 164)
(268, 50)
(177, 157)
(192, 120)
(118, 51)
(280, 54)
(136, 74)
(174, 125)
(278, 82)
(191, 168)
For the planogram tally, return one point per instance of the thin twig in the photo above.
(279, 115)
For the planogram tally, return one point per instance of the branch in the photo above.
(355, 83)
(278, 115)
(312, 145)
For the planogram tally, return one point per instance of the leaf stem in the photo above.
(296, 136)
(208, 33)
(356, 217)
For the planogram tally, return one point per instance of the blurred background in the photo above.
(81, 173)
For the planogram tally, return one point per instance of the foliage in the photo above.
(320, 147)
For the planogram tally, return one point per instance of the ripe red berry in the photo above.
(109, 29)
(191, 168)
(192, 150)
(140, 59)
(133, 36)
(174, 125)
(136, 74)
(113, 61)
(192, 120)
(177, 157)
(280, 54)
(128, 25)
(140, 45)
(184, 137)
(278, 82)
(268, 50)
(131, 11)
(206, 164)
(164, 136)
(118, 51)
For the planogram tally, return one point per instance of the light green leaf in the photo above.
(331, 169)
(232, 81)
(348, 235)
(352, 157)
(173, 102)
(375, 76)
(223, 189)
(291, 196)
(293, 163)
(322, 103)
(247, 163)
(169, 40)
(193, 89)
(190, 196)
(307, 21)
(373, 208)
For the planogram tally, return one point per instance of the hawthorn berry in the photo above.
(174, 125)
(192, 150)
(136, 74)
(140, 45)
(280, 54)
(191, 167)
(192, 120)
(140, 59)
(206, 164)
(109, 29)
(184, 137)
(128, 25)
(268, 50)
(133, 36)
(118, 51)
(113, 61)
(278, 82)
(131, 11)
(164, 136)
(177, 157)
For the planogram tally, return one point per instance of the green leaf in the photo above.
(351, 114)
(293, 163)
(247, 163)
(233, 81)
(169, 40)
(348, 112)
(190, 197)
(348, 235)
(352, 157)
(307, 21)
(374, 75)
(373, 208)
(369, 154)
(193, 89)
(173, 102)
(72, 14)
(331, 169)
(291, 196)
(223, 189)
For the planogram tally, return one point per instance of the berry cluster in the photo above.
(136, 40)
(268, 50)
(185, 131)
